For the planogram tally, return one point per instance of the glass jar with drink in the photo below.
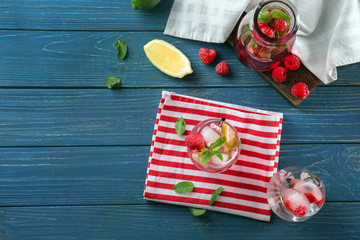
(266, 34)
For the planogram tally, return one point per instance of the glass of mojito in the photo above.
(213, 145)
(295, 194)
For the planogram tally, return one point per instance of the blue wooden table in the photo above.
(73, 154)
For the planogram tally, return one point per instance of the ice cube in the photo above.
(295, 201)
(215, 160)
(210, 135)
(310, 189)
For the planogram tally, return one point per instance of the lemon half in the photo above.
(167, 58)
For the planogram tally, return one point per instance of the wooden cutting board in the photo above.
(284, 89)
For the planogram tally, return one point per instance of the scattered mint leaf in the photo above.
(264, 16)
(180, 125)
(218, 143)
(215, 194)
(121, 48)
(277, 14)
(112, 82)
(206, 156)
(218, 154)
(197, 211)
(184, 187)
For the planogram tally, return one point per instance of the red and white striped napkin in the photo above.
(244, 183)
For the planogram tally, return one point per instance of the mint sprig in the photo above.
(180, 125)
(215, 194)
(112, 82)
(277, 14)
(184, 187)
(197, 211)
(121, 48)
(213, 150)
(264, 16)
(206, 156)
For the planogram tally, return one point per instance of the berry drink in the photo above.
(266, 35)
(295, 194)
(213, 145)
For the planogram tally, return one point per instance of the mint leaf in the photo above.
(246, 37)
(180, 125)
(264, 16)
(184, 187)
(197, 211)
(121, 48)
(218, 143)
(277, 14)
(218, 154)
(206, 156)
(112, 82)
(215, 194)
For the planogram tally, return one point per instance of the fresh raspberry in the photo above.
(222, 68)
(279, 74)
(300, 211)
(292, 62)
(261, 24)
(280, 25)
(207, 55)
(195, 141)
(268, 31)
(300, 90)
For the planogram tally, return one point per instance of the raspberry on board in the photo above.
(292, 62)
(207, 55)
(300, 90)
(279, 74)
(222, 68)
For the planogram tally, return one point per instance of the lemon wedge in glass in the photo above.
(167, 58)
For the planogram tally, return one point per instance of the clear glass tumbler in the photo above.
(258, 45)
(212, 130)
(295, 194)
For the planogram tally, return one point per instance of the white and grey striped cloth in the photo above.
(328, 37)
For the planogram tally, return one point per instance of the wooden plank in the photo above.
(81, 15)
(83, 59)
(52, 117)
(116, 175)
(159, 221)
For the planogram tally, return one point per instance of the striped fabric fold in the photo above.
(244, 183)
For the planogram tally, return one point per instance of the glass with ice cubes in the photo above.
(295, 194)
(214, 130)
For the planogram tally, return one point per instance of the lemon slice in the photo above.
(230, 135)
(167, 58)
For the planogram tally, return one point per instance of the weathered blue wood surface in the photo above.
(79, 174)
(65, 59)
(49, 117)
(73, 154)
